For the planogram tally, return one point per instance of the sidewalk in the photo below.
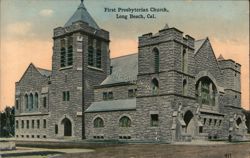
(25, 151)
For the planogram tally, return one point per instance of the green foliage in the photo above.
(7, 122)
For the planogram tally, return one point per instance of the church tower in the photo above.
(165, 80)
(80, 61)
(232, 75)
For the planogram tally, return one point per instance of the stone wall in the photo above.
(111, 129)
(38, 131)
(119, 92)
(31, 82)
(72, 79)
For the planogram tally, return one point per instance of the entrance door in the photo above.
(67, 127)
(190, 123)
(241, 126)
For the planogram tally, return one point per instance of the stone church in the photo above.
(173, 89)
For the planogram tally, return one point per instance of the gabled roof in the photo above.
(112, 105)
(81, 14)
(124, 69)
(198, 44)
(44, 72)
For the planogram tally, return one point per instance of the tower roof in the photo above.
(220, 58)
(81, 14)
(166, 26)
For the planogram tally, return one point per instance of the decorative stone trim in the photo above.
(79, 38)
(79, 68)
(153, 112)
(78, 113)
(45, 90)
(95, 68)
(31, 114)
(79, 88)
(67, 67)
(175, 113)
(78, 50)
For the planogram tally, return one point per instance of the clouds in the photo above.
(46, 12)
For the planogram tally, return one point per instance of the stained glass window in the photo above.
(206, 91)
(125, 122)
(90, 56)
(63, 53)
(156, 60)
(184, 61)
(36, 101)
(70, 55)
(98, 122)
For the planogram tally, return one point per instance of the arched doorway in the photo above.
(241, 126)
(238, 121)
(67, 127)
(190, 123)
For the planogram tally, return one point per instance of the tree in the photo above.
(7, 122)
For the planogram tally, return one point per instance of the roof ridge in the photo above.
(201, 39)
(124, 55)
(198, 47)
(42, 68)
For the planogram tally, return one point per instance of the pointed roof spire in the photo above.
(166, 26)
(220, 58)
(81, 14)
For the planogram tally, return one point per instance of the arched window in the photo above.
(31, 103)
(56, 129)
(90, 51)
(125, 122)
(98, 58)
(98, 122)
(90, 56)
(26, 101)
(70, 51)
(156, 60)
(36, 101)
(63, 53)
(213, 95)
(70, 55)
(155, 86)
(184, 61)
(206, 91)
(185, 87)
(98, 54)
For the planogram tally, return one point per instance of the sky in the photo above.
(26, 28)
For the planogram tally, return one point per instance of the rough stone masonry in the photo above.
(173, 89)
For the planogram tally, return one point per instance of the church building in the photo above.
(173, 89)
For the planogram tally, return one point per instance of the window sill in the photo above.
(108, 99)
(66, 67)
(95, 68)
(124, 127)
(154, 127)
